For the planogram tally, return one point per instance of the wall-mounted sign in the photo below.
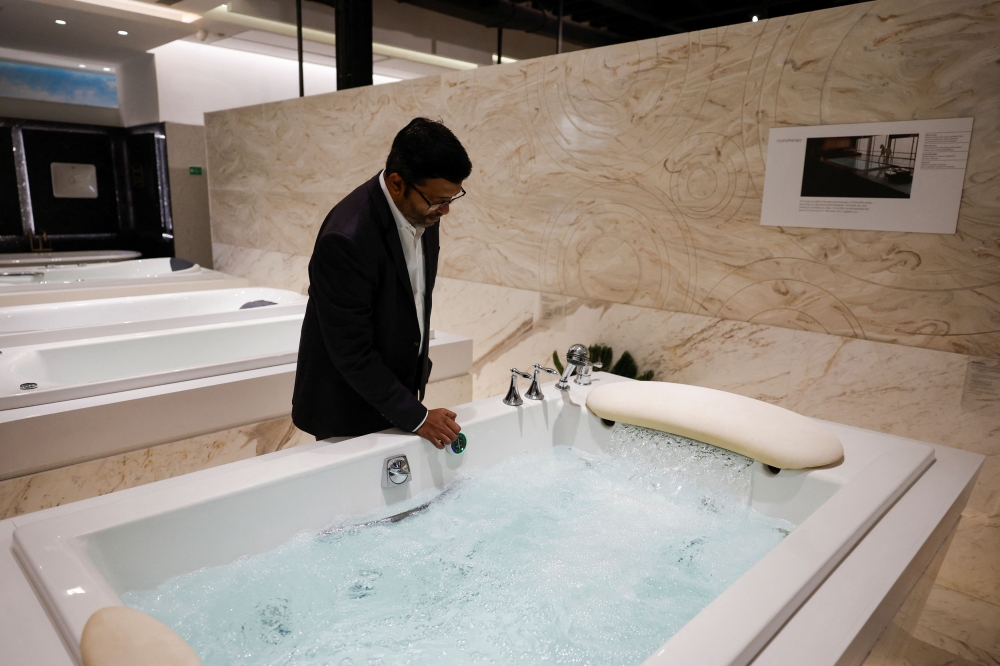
(194, 170)
(898, 176)
(73, 181)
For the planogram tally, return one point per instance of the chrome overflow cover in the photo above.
(27, 386)
(395, 472)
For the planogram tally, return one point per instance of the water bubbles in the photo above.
(558, 557)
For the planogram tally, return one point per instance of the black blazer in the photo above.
(361, 365)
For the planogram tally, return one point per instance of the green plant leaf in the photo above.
(646, 376)
(556, 363)
(601, 353)
(606, 357)
(625, 367)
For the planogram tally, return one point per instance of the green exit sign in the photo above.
(194, 171)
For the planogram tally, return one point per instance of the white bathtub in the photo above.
(54, 322)
(60, 371)
(102, 396)
(57, 258)
(60, 276)
(80, 561)
(28, 285)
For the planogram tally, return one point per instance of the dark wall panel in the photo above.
(71, 216)
(10, 206)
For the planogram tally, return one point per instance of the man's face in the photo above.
(418, 205)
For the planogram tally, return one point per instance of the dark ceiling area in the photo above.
(601, 22)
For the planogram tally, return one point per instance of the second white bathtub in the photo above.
(72, 320)
(60, 371)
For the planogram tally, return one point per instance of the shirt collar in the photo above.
(401, 222)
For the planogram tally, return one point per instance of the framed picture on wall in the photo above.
(895, 176)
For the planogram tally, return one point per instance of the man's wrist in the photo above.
(422, 421)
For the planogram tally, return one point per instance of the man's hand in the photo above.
(440, 428)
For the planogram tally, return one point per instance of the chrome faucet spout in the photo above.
(563, 383)
(577, 358)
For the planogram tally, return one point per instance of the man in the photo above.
(363, 363)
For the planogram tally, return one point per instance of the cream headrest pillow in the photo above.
(120, 636)
(752, 428)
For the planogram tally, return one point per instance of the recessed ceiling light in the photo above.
(107, 69)
(123, 32)
(60, 22)
(83, 66)
(754, 19)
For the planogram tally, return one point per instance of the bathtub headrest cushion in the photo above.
(120, 636)
(758, 430)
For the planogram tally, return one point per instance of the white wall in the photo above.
(137, 94)
(194, 78)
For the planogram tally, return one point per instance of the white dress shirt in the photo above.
(413, 253)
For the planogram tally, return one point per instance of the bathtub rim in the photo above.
(32, 337)
(191, 273)
(918, 458)
(66, 392)
(15, 259)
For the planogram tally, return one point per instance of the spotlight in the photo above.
(60, 22)
(107, 69)
(755, 19)
(83, 66)
(123, 32)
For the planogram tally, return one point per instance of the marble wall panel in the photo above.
(634, 173)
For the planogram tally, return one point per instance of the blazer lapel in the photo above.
(376, 194)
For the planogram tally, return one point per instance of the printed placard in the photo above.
(896, 176)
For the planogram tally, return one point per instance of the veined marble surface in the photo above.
(56, 487)
(634, 173)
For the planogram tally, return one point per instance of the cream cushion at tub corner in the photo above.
(755, 429)
(120, 636)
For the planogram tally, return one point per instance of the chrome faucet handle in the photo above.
(583, 375)
(513, 398)
(535, 392)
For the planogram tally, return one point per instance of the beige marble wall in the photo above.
(43, 490)
(634, 173)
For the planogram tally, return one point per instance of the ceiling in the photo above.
(90, 35)
(629, 20)
(640, 19)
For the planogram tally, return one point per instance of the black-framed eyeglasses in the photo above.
(438, 206)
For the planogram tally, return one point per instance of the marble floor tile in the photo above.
(913, 652)
(972, 566)
(961, 624)
(986, 495)
(56, 487)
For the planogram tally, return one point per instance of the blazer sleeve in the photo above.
(342, 284)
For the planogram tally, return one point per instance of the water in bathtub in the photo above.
(558, 557)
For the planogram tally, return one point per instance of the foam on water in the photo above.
(557, 557)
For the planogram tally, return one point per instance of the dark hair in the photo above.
(427, 149)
